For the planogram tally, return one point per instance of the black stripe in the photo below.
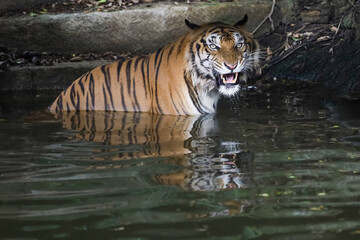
(120, 63)
(136, 122)
(192, 53)
(143, 76)
(156, 56)
(87, 102)
(193, 94)
(108, 86)
(157, 143)
(110, 91)
(199, 101)
(170, 52)
(134, 94)
(92, 91)
(201, 105)
(82, 76)
(197, 71)
(106, 120)
(172, 100)
(129, 136)
(92, 136)
(146, 143)
(123, 122)
(78, 101)
(156, 83)
(223, 31)
(180, 46)
(128, 79)
(86, 77)
(196, 127)
(136, 62)
(66, 90)
(72, 120)
(67, 107)
(203, 41)
(148, 76)
(81, 84)
(212, 29)
(105, 100)
(93, 125)
(122, 97)
(197, 45)
(175, 123)
(88, 120)
(72, 95)
(181, 106)
(78, 120)
(107, 140)
(181, 103)
(59, 103)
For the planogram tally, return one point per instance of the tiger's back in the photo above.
(132, 86)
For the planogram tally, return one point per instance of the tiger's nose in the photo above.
(231, 66)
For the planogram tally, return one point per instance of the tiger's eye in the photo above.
(212, 46)
(240, 45)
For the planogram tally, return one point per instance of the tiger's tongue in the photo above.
(229, 78)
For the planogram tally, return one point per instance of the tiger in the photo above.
(186, 77)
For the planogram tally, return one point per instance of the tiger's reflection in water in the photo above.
(187, 141)
(211, 172)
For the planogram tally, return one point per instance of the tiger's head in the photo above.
(221, 56)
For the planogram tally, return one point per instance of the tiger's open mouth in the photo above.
(228, 79)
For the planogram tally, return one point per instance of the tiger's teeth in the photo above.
(232, 81)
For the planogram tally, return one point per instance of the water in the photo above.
(275, 164)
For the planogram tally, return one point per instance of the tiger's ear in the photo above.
(191, 25)
(242, 22)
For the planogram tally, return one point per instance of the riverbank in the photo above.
(316, 43)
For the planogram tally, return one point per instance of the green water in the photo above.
(274, 164)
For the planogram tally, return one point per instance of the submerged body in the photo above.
(185, 77)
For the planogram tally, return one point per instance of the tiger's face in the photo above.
(230, 58)
(223, 56)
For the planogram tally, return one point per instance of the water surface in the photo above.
(273, 164)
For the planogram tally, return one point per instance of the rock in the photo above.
(123, 31)
(311, 16)
(58, 76)
(338, 70)
(76, 59)
(3, 65)
(35, 60)
(13, 5)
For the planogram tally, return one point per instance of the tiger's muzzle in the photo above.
(229, 79)
(228, 83)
